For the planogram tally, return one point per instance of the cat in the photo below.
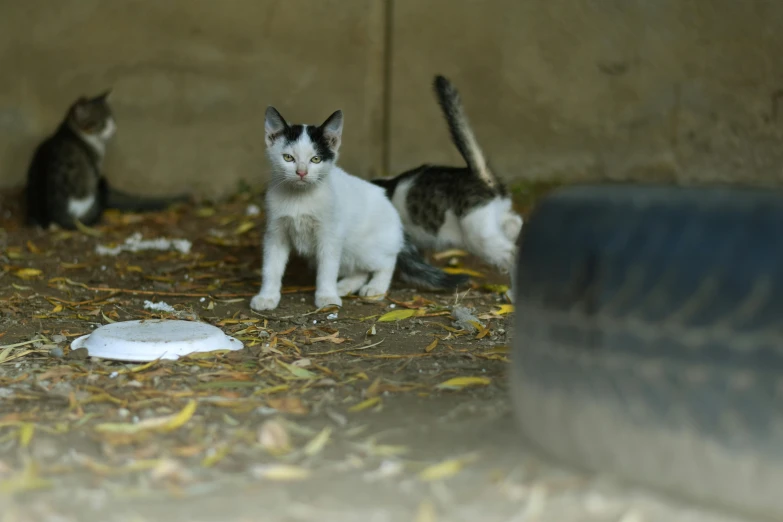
(458, 207)
(345, 226)
(65, 181)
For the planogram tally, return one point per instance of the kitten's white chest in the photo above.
(302, 231)
(78, 208)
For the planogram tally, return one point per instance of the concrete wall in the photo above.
(666, 89)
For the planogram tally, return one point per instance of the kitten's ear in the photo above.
(104, 96)
(333, 129)
(80, 109)
(274, 124)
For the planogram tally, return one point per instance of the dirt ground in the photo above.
(344, 415)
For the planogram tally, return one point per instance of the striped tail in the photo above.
(461, 133)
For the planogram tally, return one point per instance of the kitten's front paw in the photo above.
(326, 300)
(371, 292)
(263, 302)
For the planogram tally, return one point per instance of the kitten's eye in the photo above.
(288, 157)
(316, 159)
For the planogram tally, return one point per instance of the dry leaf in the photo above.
(281, 472)
(457, 383)
(84, 229)
(426, 512)
(273, 437)
(26, 432)
(317, 444)
(465, 271)
(374, 389)
(397, 315)
(163, 424)
(292, 405)
(454, 252)
(244, 227)
(504, 309)
(299, 373)
(442, 470)
(28, 273)
(431, 346)
(369, 403)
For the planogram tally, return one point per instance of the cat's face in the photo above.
(301, 155)
(93, 117)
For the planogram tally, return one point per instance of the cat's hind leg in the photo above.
(486, 238)
(351, 284)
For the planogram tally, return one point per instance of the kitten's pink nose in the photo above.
(301, 173)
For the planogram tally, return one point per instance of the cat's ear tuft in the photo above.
(104, 96)
(274, 125)
(333, 129)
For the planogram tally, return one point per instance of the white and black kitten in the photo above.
(342, 224)
(65, 180)
(458, 207)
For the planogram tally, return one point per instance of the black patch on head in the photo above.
(292, 133)
(91, 115)
(436, 190)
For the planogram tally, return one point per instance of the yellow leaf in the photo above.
(431, 346)
(296, 371)
(134, 268)
(398, 315)
(442, 470)
(457, 383)
(215, 456)
(163, 424)
(466, 271)
(32, 248)
(317, 444)
(205, 212)
(107, 319)
(369, 403)
(26, 432)
(282, 472)
(244, 227)
(28, 273)
(426, 512)
(84, 229)
(454, 252)
(504, 309)
(498, 289)
(57, 308)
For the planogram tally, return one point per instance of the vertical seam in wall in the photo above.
(388, 41)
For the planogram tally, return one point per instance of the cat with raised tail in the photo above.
(345, 226)
(458, 207)
(65, 181)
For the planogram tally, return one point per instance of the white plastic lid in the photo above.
(151, 339)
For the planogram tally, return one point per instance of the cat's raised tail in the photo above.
(461, 133)
(415, 270)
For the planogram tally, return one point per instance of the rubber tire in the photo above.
(648, 339)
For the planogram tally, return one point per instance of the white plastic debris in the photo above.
(135, 243)
(149, 340)
(464, 318)
(160, 306)
(252, 210)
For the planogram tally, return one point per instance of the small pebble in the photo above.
(331, 317)
(59, 338)
(78, 354)
(202, 299)
(56, 352)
